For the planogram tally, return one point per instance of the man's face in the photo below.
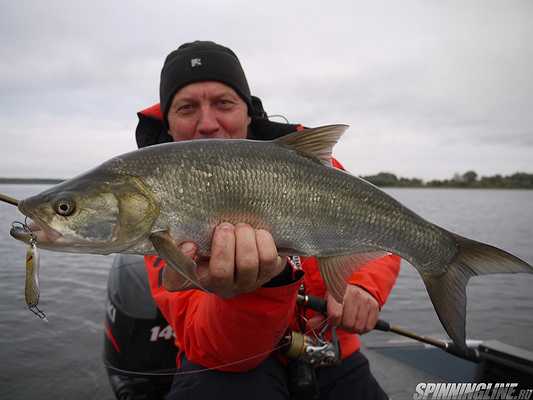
(206, 110)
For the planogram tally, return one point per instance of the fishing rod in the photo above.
(9, 200)
(320, 305)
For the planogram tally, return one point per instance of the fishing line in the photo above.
(229, 364)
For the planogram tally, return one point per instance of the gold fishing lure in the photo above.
(31, 288)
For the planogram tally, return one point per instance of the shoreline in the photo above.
(56, 181)
(29, 181)
(454, 187)
(53, 181)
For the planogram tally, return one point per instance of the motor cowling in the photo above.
(139, 349)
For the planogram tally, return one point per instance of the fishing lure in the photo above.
(31, 286)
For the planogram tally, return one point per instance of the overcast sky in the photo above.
(429, 88)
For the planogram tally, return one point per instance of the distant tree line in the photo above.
(470, 179)
(30, 181)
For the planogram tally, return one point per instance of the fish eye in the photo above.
(64, 207)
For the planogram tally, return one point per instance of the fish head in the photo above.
(94, 213)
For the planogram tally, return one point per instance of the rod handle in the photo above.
(382, 326)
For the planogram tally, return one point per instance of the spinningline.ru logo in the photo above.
(477, 391)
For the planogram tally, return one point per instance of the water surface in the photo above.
(63, 358)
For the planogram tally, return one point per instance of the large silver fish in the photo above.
(147, 200)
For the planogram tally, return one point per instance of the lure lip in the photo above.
(36, 232)
(19, 233)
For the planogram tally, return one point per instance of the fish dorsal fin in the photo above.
(315, 142)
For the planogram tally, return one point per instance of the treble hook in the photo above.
(38, 312)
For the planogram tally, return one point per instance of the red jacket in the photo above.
(238, 334)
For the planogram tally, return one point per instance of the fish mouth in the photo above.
(35, 230)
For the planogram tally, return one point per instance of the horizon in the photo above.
(454, 176)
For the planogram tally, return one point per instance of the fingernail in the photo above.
(188, 248)
(225, 226)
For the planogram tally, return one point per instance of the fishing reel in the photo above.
(308, 352)
(315, 351)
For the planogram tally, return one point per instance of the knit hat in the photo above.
(201, 61)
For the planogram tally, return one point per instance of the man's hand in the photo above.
(242, 260)
(358, 312)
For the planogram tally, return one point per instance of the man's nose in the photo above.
(208, 124)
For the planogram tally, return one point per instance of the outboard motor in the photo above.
(139, 349)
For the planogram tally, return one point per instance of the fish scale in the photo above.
(253, 177)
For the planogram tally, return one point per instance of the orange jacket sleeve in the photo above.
(378, 277)
(226, 334)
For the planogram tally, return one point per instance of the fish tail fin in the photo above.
(448, 291)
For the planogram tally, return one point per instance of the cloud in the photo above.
(415, 81)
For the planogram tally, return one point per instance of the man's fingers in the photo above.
(361, 319)
(241, 260)
(222, 261)
(351, 311)
(334, 310)
(270, 263)
(361, 310)
(246, 258)
(189, 249)
(373, 316)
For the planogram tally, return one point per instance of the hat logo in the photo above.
(196, 62)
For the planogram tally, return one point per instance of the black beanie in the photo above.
(201, 61)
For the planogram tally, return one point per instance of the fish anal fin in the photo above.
(316, 142)
(179, 262)
(337, 270)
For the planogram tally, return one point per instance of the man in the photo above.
(233, 330)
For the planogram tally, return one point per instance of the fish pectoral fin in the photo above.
(179, 262)
(337, 270)
(174, 282)
(317, 142)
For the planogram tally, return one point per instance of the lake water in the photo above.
(62, 359)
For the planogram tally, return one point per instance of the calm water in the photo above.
(62, 359)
